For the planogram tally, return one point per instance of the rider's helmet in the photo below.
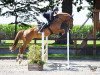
(55, 9)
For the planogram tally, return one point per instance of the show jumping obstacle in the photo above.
(68, 49)
(44, 51)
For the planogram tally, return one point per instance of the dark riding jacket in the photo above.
(49, 16)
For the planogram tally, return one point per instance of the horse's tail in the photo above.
(18, 36)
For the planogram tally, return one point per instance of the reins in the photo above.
(51, 32)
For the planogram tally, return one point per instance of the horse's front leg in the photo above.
(62, 31)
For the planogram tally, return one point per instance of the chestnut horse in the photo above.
(29, 34)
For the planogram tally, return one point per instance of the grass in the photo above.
(38, 41)
(11, 55)
(60, 56)
(74, 57)
(89, 42)
(8, 43)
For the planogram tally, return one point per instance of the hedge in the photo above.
(9, 29)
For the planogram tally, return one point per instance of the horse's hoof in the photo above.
(11, 51)
(20, 60)
(10, 48)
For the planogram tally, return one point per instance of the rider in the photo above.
(50, 15)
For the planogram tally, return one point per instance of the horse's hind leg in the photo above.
(19, 58)
(20, 55)
(22, 48)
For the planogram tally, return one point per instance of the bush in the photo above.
(9, 30)
(34, 54)
(80, 33)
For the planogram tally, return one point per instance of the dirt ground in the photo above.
(52, 67)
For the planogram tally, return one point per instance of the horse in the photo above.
(54, 28)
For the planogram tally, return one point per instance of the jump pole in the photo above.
(47, 48)
(68, 49)
(44, 48)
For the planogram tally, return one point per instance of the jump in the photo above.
(54, 28)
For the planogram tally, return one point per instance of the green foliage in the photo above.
(22, 27)
(21, 8)
(76, 31)
(98, 35)
(7, 1)
(34, 54)
(9, 30)
(80, 33)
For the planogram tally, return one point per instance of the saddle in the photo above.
(43, 26)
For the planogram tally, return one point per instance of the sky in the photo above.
(79, 17)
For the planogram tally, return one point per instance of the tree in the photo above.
(80, 7)
(25, 10)
(16, 8)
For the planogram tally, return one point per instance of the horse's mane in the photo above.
(58, 16)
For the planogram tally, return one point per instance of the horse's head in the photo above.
(67, 18)
(69, 21)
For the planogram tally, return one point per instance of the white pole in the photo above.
(42, 46)
(68, 49)
(46, 48)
